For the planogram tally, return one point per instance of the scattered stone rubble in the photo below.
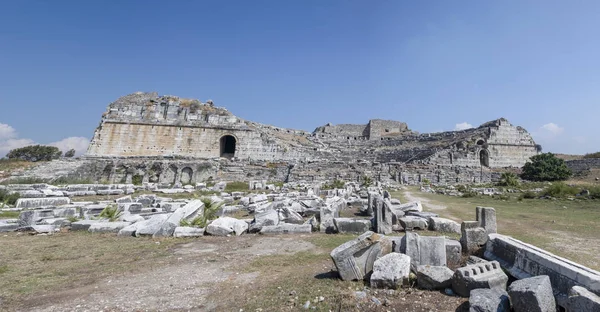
(494, 271)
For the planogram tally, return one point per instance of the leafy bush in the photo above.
(111, 212)
(469, 193)
(561, 190)
(237, 187)
(426, 181)
(210, 213)
(367, 181)
(8, 198)
(545, 167)
(137, 179)
(70, 153)
(71, 180)
(595, 192)
(335, 184)
(509, 179)
(592, 155)
(35, 153)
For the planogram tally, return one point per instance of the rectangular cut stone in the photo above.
(383, 215)
(349, 225)
(522, 260)
(486, 216)
(354, 259)
(424, 250)
(481, 275)
(581, 299)
(42, 202)
(533, 294)
(286, 228)
(473, 237)
(453, 253)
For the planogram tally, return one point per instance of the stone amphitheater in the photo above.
(168, 139)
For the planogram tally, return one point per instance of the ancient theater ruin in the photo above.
(171, 139)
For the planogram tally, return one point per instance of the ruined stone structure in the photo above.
(149, 135)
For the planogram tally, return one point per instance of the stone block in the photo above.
(582, 300)
(28, 203)
(354, 259)
(350, 225)
(327, 214)
(188, 212)
(391, 271)
(424, 250)
(473, 237)
(486, 216)
(8, 227)
(266, 218)
(187, 231)
(411, 206)
(443, 225)
(453, 253)
(382, 215)
(150, 226)
(224, 226)
(422, 214)
(434, 277)
(533, 294)
(288, 215)
(107, 227)
(522, 260)
(286, 228)
(83, 225)
(489, 300)
(483, 275)
(410, 223)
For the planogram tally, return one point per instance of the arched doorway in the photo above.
(227, 144)
(484, 158)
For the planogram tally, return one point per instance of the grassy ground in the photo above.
(569, 228)
(70, 260)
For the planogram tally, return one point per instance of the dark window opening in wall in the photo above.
(484, 158)
(387, 130)
(480, 142)
(227, 144)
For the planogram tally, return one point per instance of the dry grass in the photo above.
(33, 265)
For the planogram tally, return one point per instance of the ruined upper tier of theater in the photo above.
(149, 125)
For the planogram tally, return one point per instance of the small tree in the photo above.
(70, 153)
(545, 167)
(35, 153)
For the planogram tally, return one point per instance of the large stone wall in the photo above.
(583, 166)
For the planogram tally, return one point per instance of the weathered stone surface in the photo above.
(582, 300)
(483, 275)
(288, 215)
(422, 214)
(83, 225)
(150, 226)
(354, 259)
(8, 227)
(434, 277)
(130, 207)
(522, 260)
(44, 229)
(224, 226)
(382, 215)
(486, 216)
(286, 228)
(42, 202)
(443, 225)
(473, 237)
(424, 250)
(188, 231)
(453, 253)
(533, 294)
(350, 225)
(410, 223)
(411, 206)
(188, 212)
(129, 230)
(266, 218)
(391, 271)
(489, 300)
(107, 227)
(131, 218)
(327, 214)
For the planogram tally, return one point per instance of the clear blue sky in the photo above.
(301, 64)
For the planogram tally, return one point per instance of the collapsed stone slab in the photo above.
(424, 250)
(410, 223)
(193, 209)
(391, 271)
(473, 236)
(188, 231)
(350, 225)
(434, 277)
(107, 227)
(486, 216)
(286, 228)
(581, 299)
(489, 300)
(482, 275)
(42, 202)
(224, 226)
(453, 253)
(533, 294)
(354, 259)
(382, 215)
(522, 260)
(443, 225)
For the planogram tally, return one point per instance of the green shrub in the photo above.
(366, 181)
(210, 213)
(461, 188)
(595, 192)
(71, 180)
(35, 153)
(335, 184)
(560, 190)
(545, 167)
(509, 179)
(426, 181)
(111, 212)
(469, 193)
(8, 198)
(137, 179)
(592, 155)
(237, 187)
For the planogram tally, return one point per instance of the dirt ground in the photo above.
(246, 273)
